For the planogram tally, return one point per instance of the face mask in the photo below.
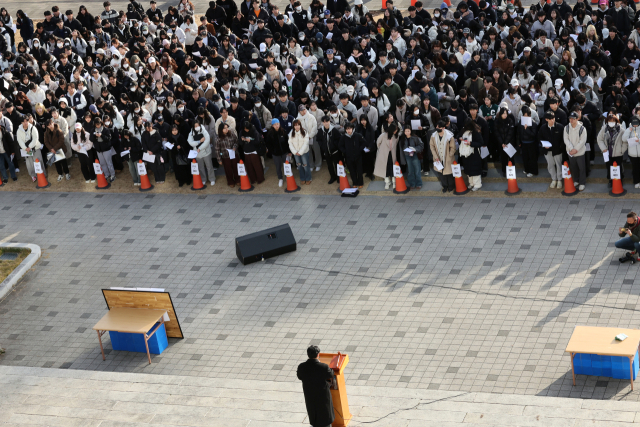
(197, 128)
(298, 9)
(7, 76)
(92, 42)
(204, 64)
(160, 108)
(107, 123)
(437, 15)
(36, 44)
(415, 113)
(334, 115)
(60, 45)
(611, 124)
(133, 89)
(147, 100)
(145, 32)
(181, 109)
(125, 66)
(137, 110)
(225, 66)
(15, 92)
(272, 99)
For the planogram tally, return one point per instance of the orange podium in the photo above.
(337, 362)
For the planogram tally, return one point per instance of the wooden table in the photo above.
(132, 321)
(602, 341)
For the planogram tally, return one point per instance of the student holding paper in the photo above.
(410, 148)
(631, 136)
(575, 139)
(54, 141)
(101, 139)
(198, 140)
(443, 149)
(132, 144)
(527, 136)
(152, 145)
(386, 156)
(228, 141)
(470, 158)
(81, 144)
(505, 135)
(611, 141)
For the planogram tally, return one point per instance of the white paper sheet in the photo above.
(366, 150)
(232, 154)
(349, 190)
(409, 150)
(340, 170)
(438, 166)
(615, 172)
(632, 141)
(454, 76)
(606, 156)
(599, 82)
(148, 157)
(329, 35)
(526, 121)
(142, 170)
(242, 171)
(23, 153)
(192, 154)
(415, 124)
(124, 153)
(510, 150)
(287, 170)
(168, 145)
(194, 169)
(397, 171)
(484, 152)
(453, 119)
(546, 144)
(441, 95)
(97, 169)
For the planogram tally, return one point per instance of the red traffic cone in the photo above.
(145, 184)
(512, 182)
(197, 181)
(401, 186)
(344, 182)
(461, 187)
(103, 184)
(292, 187)
(42, 180)
(616, 186)
(569, 188)
(245, 184)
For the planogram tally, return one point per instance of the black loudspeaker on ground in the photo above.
(265, 244)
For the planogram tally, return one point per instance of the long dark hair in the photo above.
(293, 128)
(470, 125)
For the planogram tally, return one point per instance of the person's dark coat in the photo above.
(134, 146)
(473, 163)
(352, 146)
(337, 6)
(254, 139)
(329, 140)
(105, 144)
(317, 395)
(505, 131)
(554, 136)
(620, 19)
(277, 142)
(152, 143)
(615, 48)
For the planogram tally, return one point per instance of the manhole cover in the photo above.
(8, 256)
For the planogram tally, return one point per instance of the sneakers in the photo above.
(529, 175)
(33, 178)
(581, 188)
(136, 184)
(637, 186)
(280, 182)
(387, 183)
(576, 183)
(87, 181)
(425, 173)
(17, 170)
(68, 177)
(59, 178)
(553, 184)
(318, 169)
(213, 183)
(93, 180)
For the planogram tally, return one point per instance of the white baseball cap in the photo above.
(558, 82)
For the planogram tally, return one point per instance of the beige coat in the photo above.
(619, 146)
(450, 151)
(384, 146)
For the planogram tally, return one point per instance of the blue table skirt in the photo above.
(604, 366)
(124, 341)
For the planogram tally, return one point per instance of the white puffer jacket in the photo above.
(298, 144)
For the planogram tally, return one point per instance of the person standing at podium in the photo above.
(316, 380)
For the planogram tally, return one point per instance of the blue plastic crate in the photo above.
(605, 366)
(123, 341)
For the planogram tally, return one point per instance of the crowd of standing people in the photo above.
(474, 83)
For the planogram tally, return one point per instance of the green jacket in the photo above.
(393, 92)
(635, 232)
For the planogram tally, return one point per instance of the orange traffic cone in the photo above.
(616, 186)
(42, 180)
(197, 181)
(145, 185)
(245, 184)
(569, 188)
(461, 187)
(512, 183)
(292, 187)
(103, 184)
(344, 182)
(401, 186)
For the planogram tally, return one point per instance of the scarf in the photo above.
(466, 150)
(613, 134)
(441, 145)
(275, 74)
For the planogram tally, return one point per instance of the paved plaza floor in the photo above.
(471, 295)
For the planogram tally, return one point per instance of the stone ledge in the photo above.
(21, 270)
